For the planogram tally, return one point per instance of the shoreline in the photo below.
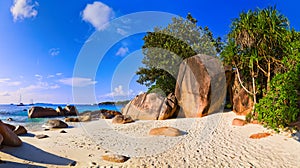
(216, 145)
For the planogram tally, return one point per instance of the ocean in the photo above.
(19, 113)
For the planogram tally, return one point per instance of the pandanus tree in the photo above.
(266, 56)
(256, 46)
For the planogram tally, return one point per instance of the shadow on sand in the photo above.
(31, 153)
(296, 136)
(7, 164)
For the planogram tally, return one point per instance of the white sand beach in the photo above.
(210, 141)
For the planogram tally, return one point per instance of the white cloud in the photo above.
(77, 81)
(122, 51)
(40, 86)
(119, 92)
(50, 76)
(98, 14)
(5, 94)
(121, 31)
(22, 9)
(54, 51)
(39, 77)
(3, 80)
(58, 74)
(8, 82)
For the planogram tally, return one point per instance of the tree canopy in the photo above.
(165, 48)
(263, 50)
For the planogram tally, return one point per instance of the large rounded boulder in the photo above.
(151, 106)
(55, 124)
(40, 112)
(70, 110)
(9, 137)
(201, 86)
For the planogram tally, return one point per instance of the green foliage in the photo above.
(279, 107)
(263, 48)
(165, 48)
(257, 38)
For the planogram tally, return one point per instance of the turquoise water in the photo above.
(20, 117)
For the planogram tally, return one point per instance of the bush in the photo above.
(279, 107)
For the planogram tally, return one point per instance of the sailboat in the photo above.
(20, 104)
(31, 104)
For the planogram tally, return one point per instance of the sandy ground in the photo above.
(209, 142)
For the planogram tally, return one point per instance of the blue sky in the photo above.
(45, 45)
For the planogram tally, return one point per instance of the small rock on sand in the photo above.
(122, 119)
(62, 131)
(166, 131)
(239, 122)
(115, 158)
(41, 136)
(72, 163)
(259, 135)
(55, 124)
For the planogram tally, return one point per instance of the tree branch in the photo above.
(261, 68)
(238, 75)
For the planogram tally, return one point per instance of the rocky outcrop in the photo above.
(68, 110)
(83, 118)
(151, 106)
(72, 119)
(20, 130)
(40, 112)
(122, 119)
(108, 114)
(201, 86)
(71, 110)
(9, 137)
(166, 131)
(61, 111)
(55, 124)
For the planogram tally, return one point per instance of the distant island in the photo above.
(114, 103)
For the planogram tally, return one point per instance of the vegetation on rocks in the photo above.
(261, 47)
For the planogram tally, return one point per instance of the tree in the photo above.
(165, 48)
(256, 46)
(280, 106)
(266, 56)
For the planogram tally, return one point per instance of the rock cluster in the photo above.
(200, 90)
(9, 134)
(39, 112)
(122, 119)
(151, 106)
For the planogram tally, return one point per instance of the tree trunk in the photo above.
(254, 91)
(269, 76)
